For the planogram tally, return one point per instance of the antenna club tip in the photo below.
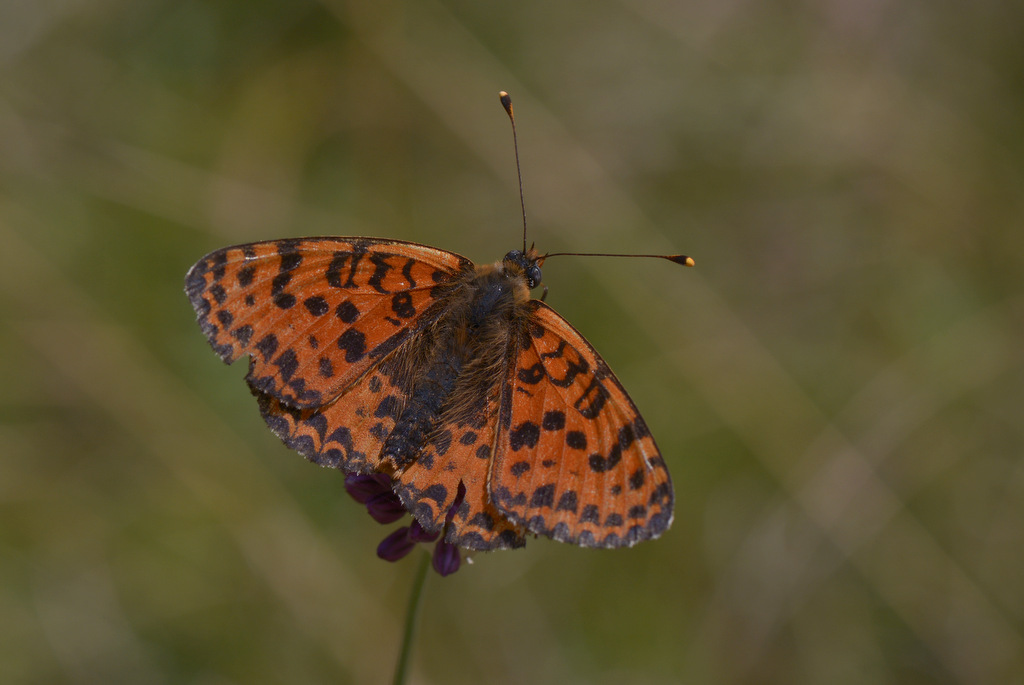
(682, 259)
(506, 101)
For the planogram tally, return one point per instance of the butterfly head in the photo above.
(528, 263)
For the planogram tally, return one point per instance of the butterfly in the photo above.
(379, 356)
(373, 355)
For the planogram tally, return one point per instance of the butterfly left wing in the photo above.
(575, 461)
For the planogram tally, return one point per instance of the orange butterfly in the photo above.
(388, 357)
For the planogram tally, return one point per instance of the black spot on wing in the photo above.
(576, 440)
(267, 345)
(543, 496)
(636, 479)
(243, 334)
(401, 305)
(353, 343)
(532, 375)
(613, 521)
(519, 468)
(553, 421)
(218, 293)
(347, 312)
(316, 305)
(567, 502)
(287, 363)
(525, 434)
(280, 282)
(246, 275)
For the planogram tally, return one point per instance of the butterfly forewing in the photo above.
(314, 314)
(575, 461)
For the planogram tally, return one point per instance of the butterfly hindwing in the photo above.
(315, 314)
(575, 461)
(349, 431)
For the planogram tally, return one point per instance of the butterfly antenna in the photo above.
(677, 258)
(506, 102)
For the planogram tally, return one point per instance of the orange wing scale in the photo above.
(575, 461)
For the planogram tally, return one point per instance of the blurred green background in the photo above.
(838, 387)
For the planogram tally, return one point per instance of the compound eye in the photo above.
(514, 256)
(533, 275)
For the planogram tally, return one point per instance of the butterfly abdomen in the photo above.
(418, 417)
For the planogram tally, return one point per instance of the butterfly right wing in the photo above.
(327, 325)
(314, 314)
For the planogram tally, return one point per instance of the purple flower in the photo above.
(363, 488)
(396, 545)
(446, 558)
(375, 491)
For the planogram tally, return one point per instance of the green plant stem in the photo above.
(411, 614)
